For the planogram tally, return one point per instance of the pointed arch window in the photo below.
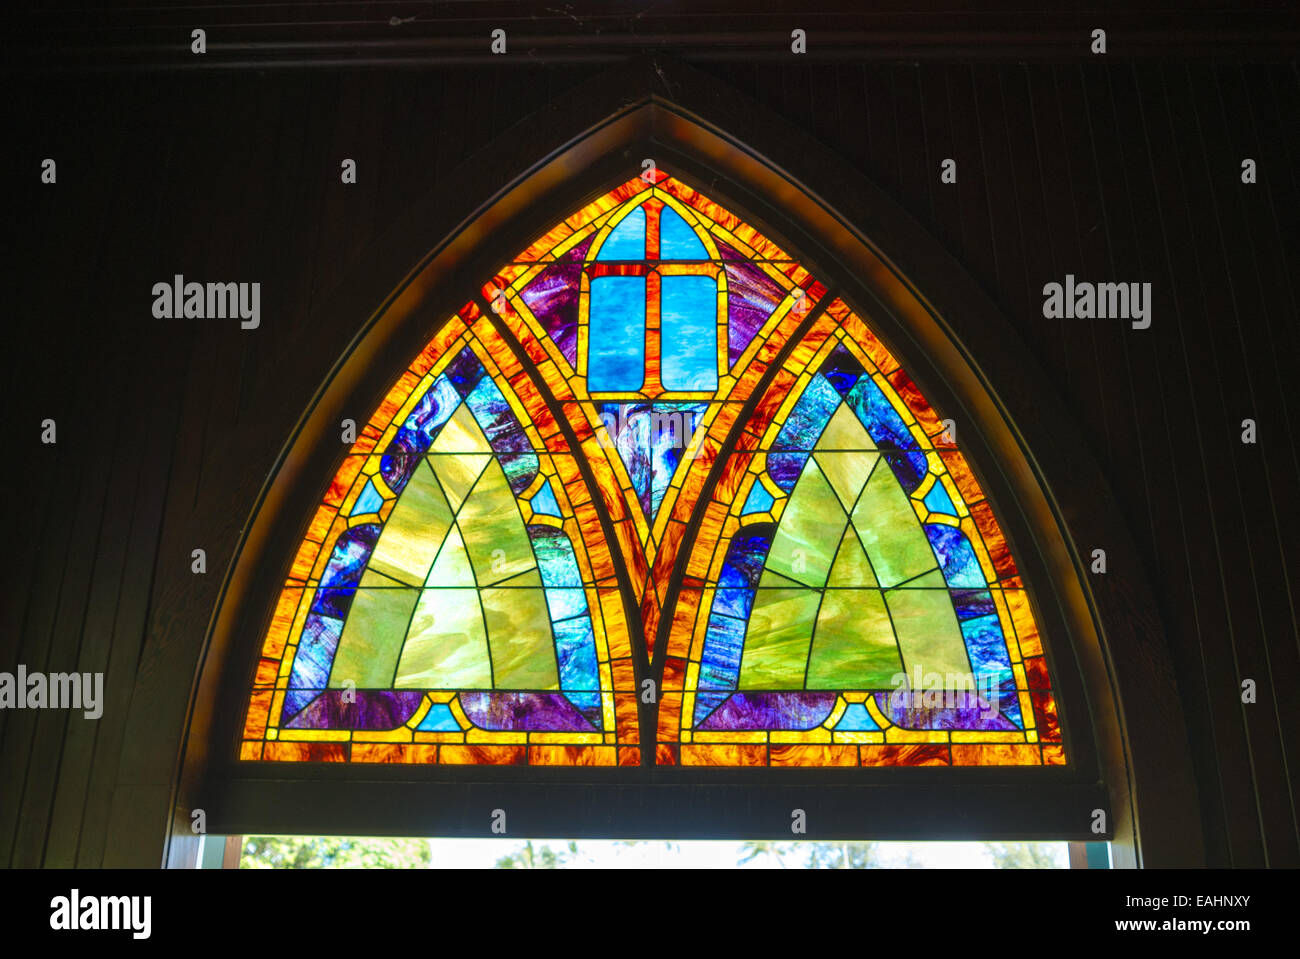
(657, 454)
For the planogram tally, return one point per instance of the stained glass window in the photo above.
(655, 430)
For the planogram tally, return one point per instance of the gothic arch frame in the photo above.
(1110, 659)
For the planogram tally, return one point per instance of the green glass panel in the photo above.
(890, 531)
(846, 472)
(531, 578)
(853, 647)
(452, 566)
(928, 635)
(777, 639)
(371, 578)
(494, 531)
(771, 580)
(931, 580)
(372, 638)
(414, 531)
(845, 432)
(446, 647)
(810, 530)
(461, 434)
(851, 566)
(519, 636)
(458, 473)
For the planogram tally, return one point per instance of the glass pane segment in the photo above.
(689, 317)
(616, 350)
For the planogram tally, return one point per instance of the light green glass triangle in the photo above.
(452, 567)
(494, 530)
(846, 472)
(413, 534)
(887, 525)
(809, 532)
(458, 472)
(845, 431)
(851, 566)
(446, 647)
(461, 434)
(854, 644)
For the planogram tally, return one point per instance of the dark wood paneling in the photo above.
(168, 429)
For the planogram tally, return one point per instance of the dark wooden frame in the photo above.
(1105, 643)
(354, 33)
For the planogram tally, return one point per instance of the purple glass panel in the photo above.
(792, 710)
(553, 298)
(373, 709)
(943, 709)
(524, 712)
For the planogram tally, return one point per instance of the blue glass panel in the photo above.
(520, 468)
(494, 416)
(855, 719)
(369, 501)
(672, 425)
(879, 416)
(334, 602)
(651, 439)
(689, 331)
(938, 500)
(628, 425)
(295, 701)
(677, 241)
(565, 603)
(544, 501)
(720, 664)
(616, 335)
(627, 240)
(956, 556)
(351, 553)
(986, 647)
(588, 704)
(737, 602)
(972, 603)
(1008, 701)
(464, 372)
(575, 646)
(555, 557)
(435, 407)
(758, 501)
(707, 702)
(311, 665)
(784, 468)
(909, 467)
(842, 369)
(747, 556)
(439, 719)
(809, 417)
